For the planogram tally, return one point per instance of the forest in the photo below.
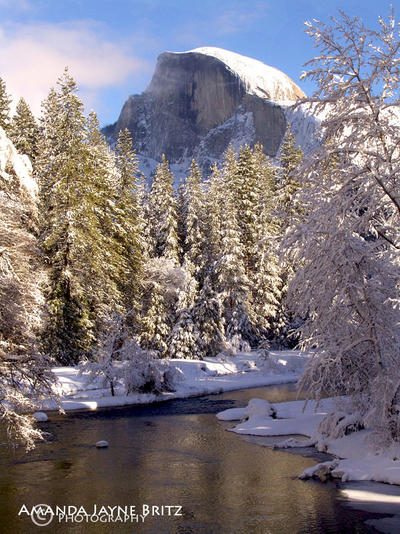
(104, 269)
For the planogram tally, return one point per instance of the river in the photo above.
(177, 454)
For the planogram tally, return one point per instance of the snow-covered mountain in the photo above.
(201, 100)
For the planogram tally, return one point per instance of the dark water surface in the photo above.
(174, 453)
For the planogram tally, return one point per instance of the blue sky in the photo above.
(111, 46)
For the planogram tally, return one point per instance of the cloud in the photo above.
(33, 56)
(17, 5)
(239, 18)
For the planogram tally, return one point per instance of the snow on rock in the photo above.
(323, 471)
(40, 417)
(259, 408)
(260, 79)
(102, 444)
(12, 163)
(232, 414)
(305, 123)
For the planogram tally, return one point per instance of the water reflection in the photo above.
(175, 453)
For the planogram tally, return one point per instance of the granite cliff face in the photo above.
(200, 101)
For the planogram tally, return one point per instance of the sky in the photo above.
(111, 46)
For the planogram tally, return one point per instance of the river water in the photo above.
(177, 454)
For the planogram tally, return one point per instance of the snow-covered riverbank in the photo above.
(209, 376)
(357, 457)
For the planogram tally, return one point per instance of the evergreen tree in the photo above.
(144, 216)
(155, 329)
(129, 223)
(290, 159)
(77, 210)
(163, 214)
(267, 277)
(5, 101)
(24, 131)
(184, 339)
(207, 316)
(195, 224)
(213, 216)
(181, 218)
(231, 282)
(244, 182)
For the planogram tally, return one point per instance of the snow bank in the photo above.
(356, 457)
(209, 376)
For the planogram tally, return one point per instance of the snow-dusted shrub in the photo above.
(105, 353)
(172, 278)
(338, 424)
(120, 362)
(142, 371)
(264, 349)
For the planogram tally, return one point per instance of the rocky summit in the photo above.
(200, 101)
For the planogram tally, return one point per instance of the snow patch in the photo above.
(260, 79)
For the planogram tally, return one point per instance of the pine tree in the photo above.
(163, 214)
(129, 222)
(290, 159)
(207, 317)
(5, 101)
(155, 330)
(244, 182)
(24, 131)
(181, 218)
(184, 340)
(76, 174)
(267, 278)
(195, 224)
(231, 282)
(144, 216)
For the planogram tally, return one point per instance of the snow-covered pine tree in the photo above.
(347, 284)
(290, 158)
(76, 176)
(163, 213)
(184, 340)
(129, 224)
(267, 276)
(181, 220)
(245, 185)
(25, 373)
(207, 317)
(5, 101)
(229, 273)
(195, 224)
(24, 131)
(213, 215)
(142, 190)
(155, 327)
